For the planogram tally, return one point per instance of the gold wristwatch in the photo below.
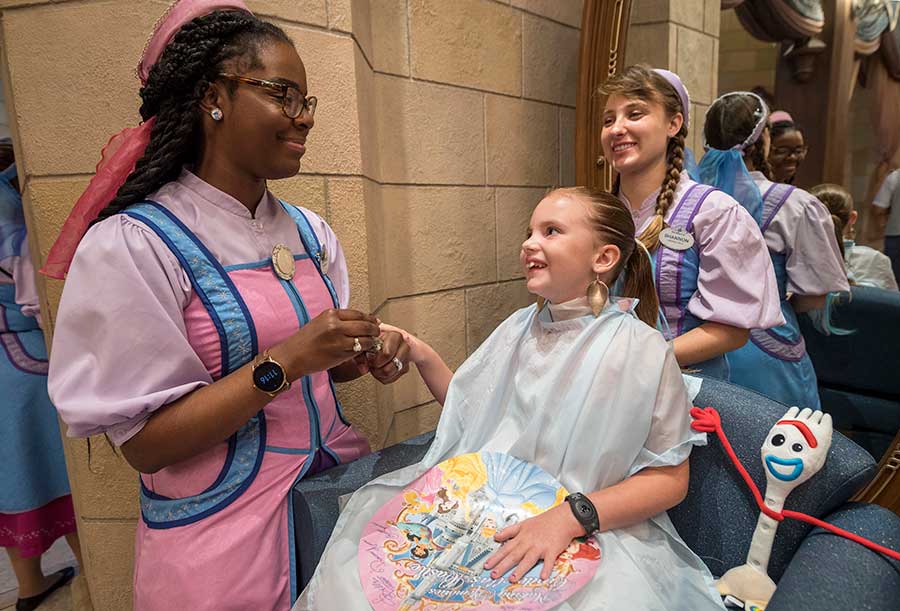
(269, 375)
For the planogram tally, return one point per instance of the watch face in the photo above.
(268, 376)
(584, 509)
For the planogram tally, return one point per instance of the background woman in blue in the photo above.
(799, 234)
(35, 504)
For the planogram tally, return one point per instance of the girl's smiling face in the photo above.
(560, 254)
(635, 133)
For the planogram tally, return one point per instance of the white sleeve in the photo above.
(886, 191)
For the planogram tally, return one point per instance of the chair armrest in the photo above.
(314, 500)
(831, 573)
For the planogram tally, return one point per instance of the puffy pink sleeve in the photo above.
(814, 262)
(26, 287)
(337, 263)
(736, 283)
(120, 349)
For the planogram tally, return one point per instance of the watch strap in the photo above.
(585, 512)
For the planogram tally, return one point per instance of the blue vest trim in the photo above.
(237, 339)
(669, 265)
(773, 200)
(214, 288)
(259, 264)
(280, 450)
(313, 246)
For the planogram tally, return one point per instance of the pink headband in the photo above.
(779, 116)
(675, 81)
(180, 13)
(121, 153)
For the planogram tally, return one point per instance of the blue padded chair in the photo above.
(716, 519)
(859, 374)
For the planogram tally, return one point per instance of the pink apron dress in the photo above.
(216, 530)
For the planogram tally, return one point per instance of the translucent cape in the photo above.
(726, 171)
(12, 218)
(821, 318)
(589, 400)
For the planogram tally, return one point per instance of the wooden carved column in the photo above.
(821, 105)
(603, 33)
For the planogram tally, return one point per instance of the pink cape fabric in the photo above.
(117, 161)
(123, 151)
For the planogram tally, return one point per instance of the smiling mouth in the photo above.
(623, 147)
(785, 469)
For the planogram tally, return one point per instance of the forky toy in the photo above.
(795, 449)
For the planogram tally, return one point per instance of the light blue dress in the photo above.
(591, 401)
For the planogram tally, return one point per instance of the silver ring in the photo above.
(377, 345)
(397, 363)
(357, 347)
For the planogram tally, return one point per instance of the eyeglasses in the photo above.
(293, 103)
(783, 151)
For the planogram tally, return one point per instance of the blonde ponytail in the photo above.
(639, 284)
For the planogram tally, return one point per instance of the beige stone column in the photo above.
(682, 36)
(440, 126)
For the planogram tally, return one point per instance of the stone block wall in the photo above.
(682, 36)
(440, 126)
(744, 62)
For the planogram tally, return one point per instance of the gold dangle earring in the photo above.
(597, 295)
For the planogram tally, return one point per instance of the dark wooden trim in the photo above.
(884, 489)
(604, 28)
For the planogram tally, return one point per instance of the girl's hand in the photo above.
(543, 537)
(392, 361)
(417, 347)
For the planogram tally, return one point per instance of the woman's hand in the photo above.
(392, 361)
(326, 341)
(543, 537)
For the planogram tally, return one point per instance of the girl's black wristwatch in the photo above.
(585, 512)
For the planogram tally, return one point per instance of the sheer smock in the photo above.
(868, 267)
(121, 349)
(802, 231)
(589, 400)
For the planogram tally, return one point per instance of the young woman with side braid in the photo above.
(203, 322)
(714, 277)
(800, 237)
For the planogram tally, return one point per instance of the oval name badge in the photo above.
(676, 238)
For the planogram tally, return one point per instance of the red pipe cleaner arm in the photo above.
(842, 533)
(708, 421)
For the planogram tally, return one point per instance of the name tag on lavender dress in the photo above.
(676, 238)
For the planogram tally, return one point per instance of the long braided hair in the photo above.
(730, 121)
(642, 83)
(611, 222)
(176, 86)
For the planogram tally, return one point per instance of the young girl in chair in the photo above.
(583, 386)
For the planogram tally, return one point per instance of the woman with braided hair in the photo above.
(203, 322)
(799, 234)
(713, 274)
